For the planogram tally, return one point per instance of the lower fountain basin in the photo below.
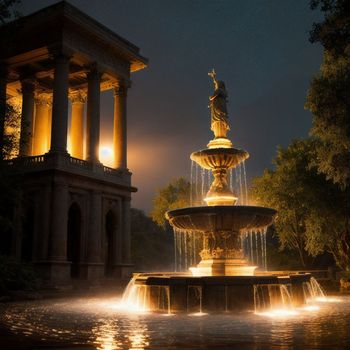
(176, 293)
(221, 218)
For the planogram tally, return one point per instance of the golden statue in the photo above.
(218, 101)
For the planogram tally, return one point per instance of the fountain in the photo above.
(223, 280)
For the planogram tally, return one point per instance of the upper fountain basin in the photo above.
(221, 218)
(211, 158)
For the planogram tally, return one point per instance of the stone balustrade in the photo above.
(70, 164)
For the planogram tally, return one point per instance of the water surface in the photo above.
(101, 323)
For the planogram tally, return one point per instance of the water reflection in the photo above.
(106, 336)
(99, 323)
(138, 337)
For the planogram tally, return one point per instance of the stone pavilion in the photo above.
(72, 220)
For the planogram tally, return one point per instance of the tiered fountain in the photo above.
(223, 280)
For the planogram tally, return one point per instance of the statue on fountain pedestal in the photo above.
(218, 102)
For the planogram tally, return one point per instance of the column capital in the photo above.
(43, 99)
(59, 53)
(78, 96)
(94, 72)
(121, 88)
(28, 85)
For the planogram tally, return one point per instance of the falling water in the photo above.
(136, 296)
(209, 179)
(254, 247)
(191, 184)
(186, 251)
(140, 297)
(286, 297)
(187, 248)
(265, 254)
(203, 183)
(272, 296)
(313, 290)
(194, 299)
(245, 183)
(251, 247)
(175, 251)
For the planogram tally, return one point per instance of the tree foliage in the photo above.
(8, 10)
(173, 196)
(284, 190)
(329, 94)
(334, 32)
(313, 212)
(12, 132)
(152, 247)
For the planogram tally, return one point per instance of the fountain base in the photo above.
(223, 267)
(176, 293)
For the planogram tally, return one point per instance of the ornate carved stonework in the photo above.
(78, 96)
(120, 90)
(43, 99)
(221, 245)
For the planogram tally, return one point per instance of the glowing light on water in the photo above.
(278, 313)
(198, 314)
(310, 308)
(326, 299)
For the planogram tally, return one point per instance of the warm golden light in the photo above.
(277, 313)
(106, 155)
(198, 314)
(221, 200)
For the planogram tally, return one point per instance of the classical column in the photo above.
(41, 123)
(119, 130)
(3, 85)
(93, 116)
(59, 221)
(95, 225)
(126, 231)
(78, 99)
(26, 136)
(60, 105)
(49, 128)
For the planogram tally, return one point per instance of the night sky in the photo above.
(260, 49)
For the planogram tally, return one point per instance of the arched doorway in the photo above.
(110, 229)
(74, 239)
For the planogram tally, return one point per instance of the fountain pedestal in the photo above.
(223, 267)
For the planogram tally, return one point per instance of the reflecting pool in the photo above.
(102, 323)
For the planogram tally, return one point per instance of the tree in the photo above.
(283, 189)
(8, 10)
(152, 247)
(328, 98)
(313, 212)
(173, 196)
(334, 32)
(9, 129)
